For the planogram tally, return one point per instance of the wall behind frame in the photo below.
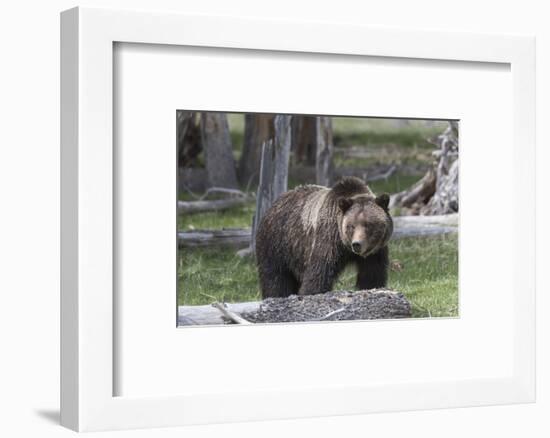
(29, 178)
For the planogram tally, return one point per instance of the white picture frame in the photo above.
(88, 341)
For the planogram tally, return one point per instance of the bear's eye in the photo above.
(350, 227)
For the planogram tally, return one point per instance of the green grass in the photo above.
(206, 275)
(383, 154)
(370, 131)
(236, 217)
(394, 184)
(428, 275)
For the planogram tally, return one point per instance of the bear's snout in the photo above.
(356, 247)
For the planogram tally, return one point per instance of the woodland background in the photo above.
(233, 166)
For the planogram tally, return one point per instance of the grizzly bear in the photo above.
(310, 234)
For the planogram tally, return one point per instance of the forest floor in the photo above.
(424, 269)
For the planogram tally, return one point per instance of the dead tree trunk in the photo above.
(437, 191)
(325, 150)
(188, 138)
(282, 155)
(258, 128)
(264, 196)
(218, 150)
(304, 139)
(313, 145)
(445, 198)
(273, 173)
(183, 118)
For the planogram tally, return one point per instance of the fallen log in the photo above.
(414, 226)
(229, 314)
(439, 220)
(404, 226)
(227, 237)
(421, 191)
(330, 306)
(190, 207)
(208, 314)
(222, 191)
(421, 231)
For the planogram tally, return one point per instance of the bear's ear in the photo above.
(383, 201)
(344, 204)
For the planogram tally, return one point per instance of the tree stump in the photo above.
(437, 191)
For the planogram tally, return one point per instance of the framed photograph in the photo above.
(336, 222)
(306, 218)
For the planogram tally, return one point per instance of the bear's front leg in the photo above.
(277, 282)
(372, 271)
(318, 281)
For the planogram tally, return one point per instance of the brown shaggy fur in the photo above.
(310, 234)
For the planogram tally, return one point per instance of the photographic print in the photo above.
(286, 218)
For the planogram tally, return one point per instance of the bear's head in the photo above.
(366, 225)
